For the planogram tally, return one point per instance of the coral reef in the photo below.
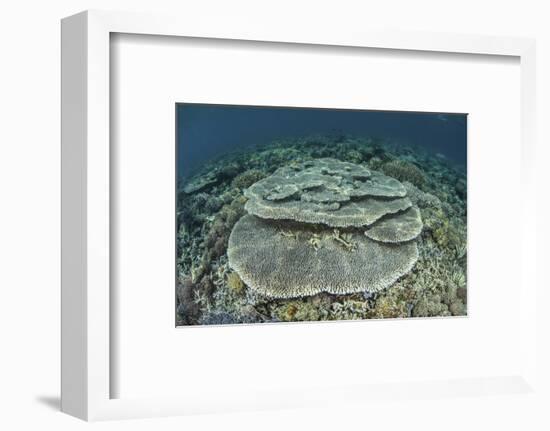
(404, 171)
(430, 306)
(235, 283)
(247, 178)
(187, 309)
(201, 182)
(210, 292)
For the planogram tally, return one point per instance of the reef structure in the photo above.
(324, 226)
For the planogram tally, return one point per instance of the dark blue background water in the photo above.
(206, 131)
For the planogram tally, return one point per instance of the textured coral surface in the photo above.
(401, 227)
(326, 191)
(301, 260)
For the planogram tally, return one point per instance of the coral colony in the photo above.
(322, 228)
(325, 226)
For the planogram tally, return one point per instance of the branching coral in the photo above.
(300, 311)
(287, 233)
(187, 310)
(430, 305)
(235, 282)
(405, 171)
(345, 239)
(314, 241)
(349, 309)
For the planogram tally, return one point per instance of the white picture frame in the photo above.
(86, 312)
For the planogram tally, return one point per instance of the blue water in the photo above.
(207, 131)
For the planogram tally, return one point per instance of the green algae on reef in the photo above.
(210, 203)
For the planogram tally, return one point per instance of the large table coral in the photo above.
(324, 226)
(305, 260)
(327, 191)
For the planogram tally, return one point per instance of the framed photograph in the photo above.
(245, 209)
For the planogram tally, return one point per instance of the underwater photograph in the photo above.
(289, 214)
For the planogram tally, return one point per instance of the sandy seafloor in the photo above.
(209, 292)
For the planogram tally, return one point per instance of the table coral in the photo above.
(404, 226)
(324, 226)
(280, 266)
(326, 191)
